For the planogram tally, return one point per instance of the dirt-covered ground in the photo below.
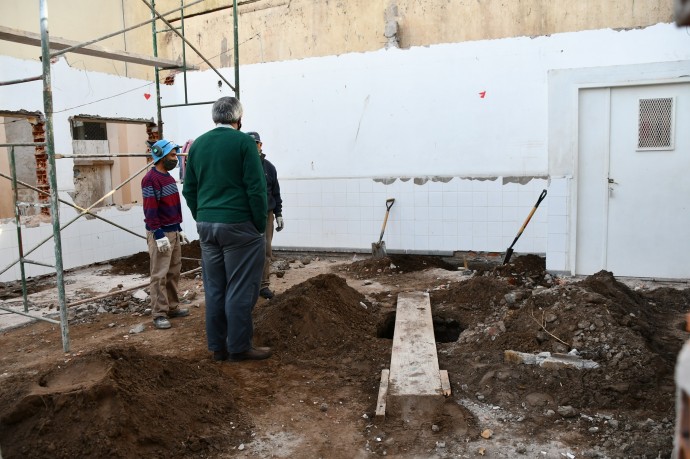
(126, 392)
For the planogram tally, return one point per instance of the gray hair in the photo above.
(227, 110)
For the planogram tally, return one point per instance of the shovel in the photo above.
(509, 252)
(378, 249)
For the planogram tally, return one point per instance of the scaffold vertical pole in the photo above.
(184, 52)
(237, 48)
(159, 113)
(18, 220)
(52, 173)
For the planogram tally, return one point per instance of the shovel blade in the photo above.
(378, 249)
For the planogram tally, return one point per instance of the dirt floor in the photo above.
(126, 392)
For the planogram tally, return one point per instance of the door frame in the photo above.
(563, 130)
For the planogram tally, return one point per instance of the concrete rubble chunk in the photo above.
(550, 361)
(137, 329)
(140, 295)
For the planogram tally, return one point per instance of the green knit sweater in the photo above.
(224, 181)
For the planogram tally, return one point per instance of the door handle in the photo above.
(611, 182)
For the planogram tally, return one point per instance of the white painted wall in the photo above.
(75, 92)
(346, 132)
(331, 125)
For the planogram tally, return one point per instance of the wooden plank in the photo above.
(414, 362)
(56, 43)
(383, 393)
(445, 383)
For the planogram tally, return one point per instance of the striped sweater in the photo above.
(162, 208)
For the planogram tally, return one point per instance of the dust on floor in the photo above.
(125, 393)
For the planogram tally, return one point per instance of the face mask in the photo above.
(169, 164)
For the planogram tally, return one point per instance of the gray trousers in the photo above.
(232, 261)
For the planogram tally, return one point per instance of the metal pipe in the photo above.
(34, 144)
(96, 40)
(220, 8)
(28, 315)
(52, 177)
(189, 44)
(39, 263)
(184, 52)
(22, 80)
(106, 295)
(18, 220)
(74, 206)
(185, 105)
(84, 212)
(156, 72)
(237, 49)
(120, 155)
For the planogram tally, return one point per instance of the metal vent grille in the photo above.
(655, 129)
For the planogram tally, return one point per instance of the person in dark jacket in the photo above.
(275, 210)
(225, 189)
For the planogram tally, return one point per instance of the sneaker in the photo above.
(161, 323)
(219, 356)
(255, 353)
(179, 312)
(266, 293)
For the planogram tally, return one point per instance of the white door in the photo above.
(648, 185)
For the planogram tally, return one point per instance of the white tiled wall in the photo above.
(557, 236)
(439, 216)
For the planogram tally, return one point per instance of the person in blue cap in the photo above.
(163, 216)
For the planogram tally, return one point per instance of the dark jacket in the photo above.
(223, 182)
(275, 202)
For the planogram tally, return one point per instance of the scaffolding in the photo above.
(88, 48)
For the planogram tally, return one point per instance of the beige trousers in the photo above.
(165, 274)
(265, 280)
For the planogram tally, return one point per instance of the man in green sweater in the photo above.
(225, 189)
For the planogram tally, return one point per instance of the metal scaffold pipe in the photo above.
(52, 177)
(104, 37)
(74, 206)
(172, 28)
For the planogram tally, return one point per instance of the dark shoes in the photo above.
(255, 353)
(179, 312)
(266, 293)
(220, 356)
(161, 323)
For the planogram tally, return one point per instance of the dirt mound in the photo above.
(139, 262)
(315, 319)
(525, 269)
(120, 403)
(625, 332)
(395, 264)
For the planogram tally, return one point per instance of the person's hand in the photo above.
(279, 223)
(163, 244)
(183, 238)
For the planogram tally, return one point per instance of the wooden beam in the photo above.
(383, 393)
(56, 43)
(415, 388)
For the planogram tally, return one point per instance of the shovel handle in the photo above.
(529, 217)
(389, 204)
